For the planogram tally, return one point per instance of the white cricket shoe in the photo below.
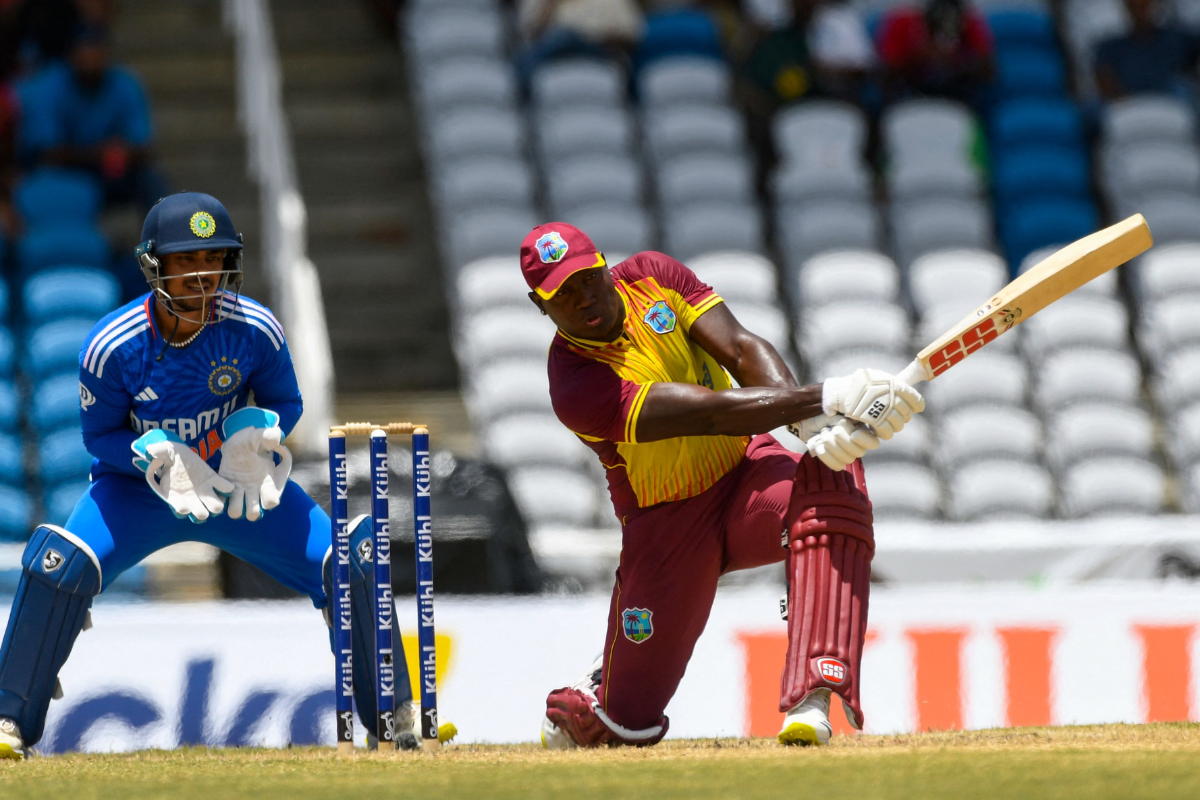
(408, 729)
(808, 721)
(11, 743)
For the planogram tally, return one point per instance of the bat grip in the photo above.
(913, 374)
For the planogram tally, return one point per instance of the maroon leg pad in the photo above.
(830, 544)
(577, 712)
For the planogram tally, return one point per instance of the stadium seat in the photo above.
(924, 227)
(615, 227)
(468, 82)
(1183, 444)
(812, 229)
(54, 347)
(986, 378)
(982, 432)
(1148, 118)
(1073, 376)
(1090, 430)
(712, 227)
(1112, 485)
(844, 362)
(491, 232)
(1036, 121)
(490, 283)
(469, 183)
(1169, 324)
(1167, 270)
(1191, 489)
(812, 181)
(1083, 321)
(507, 388)
(55, 403)
(588, 82)
(598, 179)
(763, 319)
(1178, 378)
(918, 127)
(527, 335)
(1138, 170)
(82, 292)
(449, 33)
(738, 276)
(825, 330)
(12, 460)
(10, 406)
(1025, 71)
(914, 446)
(527, 440)
(951, 275)
(678, 32)
(1172, 218)
(901, 489)
(693, 128)
(53, 246)
(549, 495)
(583, 132)
(702, 178)
(936, 178)
(682, 80)
(51, 196)
(1023, 27)
(476, 131)
(820, 132)
(1036, 223)
(62, 457)
(847, 275)
(8, 353)
(16, 514)
(1021, 174)
(1000, 489)
(61, 500)
(1101, 286)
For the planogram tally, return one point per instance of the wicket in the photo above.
(385, 697)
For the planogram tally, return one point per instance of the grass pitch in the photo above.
(1118, 761)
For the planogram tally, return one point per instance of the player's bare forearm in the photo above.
(750, 359)
(683, 409)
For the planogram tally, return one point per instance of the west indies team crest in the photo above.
(637, 625)
(660, 318)
(225, 377)
(551, 247)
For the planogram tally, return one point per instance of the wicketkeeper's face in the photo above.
(586, 306)
(192, 278)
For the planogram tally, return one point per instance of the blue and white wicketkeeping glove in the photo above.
(179, 476)
(252, 438)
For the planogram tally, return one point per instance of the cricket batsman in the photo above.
(640, 370)
(179, 455)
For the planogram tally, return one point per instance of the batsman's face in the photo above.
(192, 278)
(586, 306)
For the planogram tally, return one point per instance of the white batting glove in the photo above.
(840, 442)
(873, 397)
(179, 476)
(252, 438)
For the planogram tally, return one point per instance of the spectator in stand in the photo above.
(943, 50)
(1150, 58)
(86, 113)
(35, 32)
(557, 28)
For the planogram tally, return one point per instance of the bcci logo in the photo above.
(225, 378)
(660, 318)
(637, 625)
(203, 224)
(551, 248)
(832, 670)
(365, 552)
(51, 561)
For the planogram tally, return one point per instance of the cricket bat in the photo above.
(1054, 278)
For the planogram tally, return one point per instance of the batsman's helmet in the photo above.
(183, 223)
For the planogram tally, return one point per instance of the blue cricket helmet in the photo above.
(186, 222)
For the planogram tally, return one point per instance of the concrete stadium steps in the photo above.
(371, 231)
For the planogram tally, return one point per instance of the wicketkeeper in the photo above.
(640, 370)
(164, 384)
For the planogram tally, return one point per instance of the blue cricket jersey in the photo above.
(125, 391)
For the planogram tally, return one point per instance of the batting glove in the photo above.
(252, 439)
(179, 476)
(872, 397)
(840, 442)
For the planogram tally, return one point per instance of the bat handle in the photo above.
(913, 374)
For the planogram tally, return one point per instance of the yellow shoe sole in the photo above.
(6, 751)
(800, 734)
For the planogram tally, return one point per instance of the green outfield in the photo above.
(1118, 761)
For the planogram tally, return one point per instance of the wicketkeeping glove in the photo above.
(872, 397)
(835, 440)
(180, 477)
(252, 438)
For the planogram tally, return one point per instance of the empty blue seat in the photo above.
(8, 352)
(53, 246)
(51, 196)
(1025, 71)
(1025, 227)
(3, 290)
(678, 32)
(16, 511)
(1022, 173)
(12, 460)
(60, 501)
(62, 457)
(54, 347)
(1022, 26)
(55, 403)
(10, 406)
(83, 292)
(1036, 121)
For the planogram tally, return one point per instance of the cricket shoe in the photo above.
(808, 722)
(554, 737)
(11, 743)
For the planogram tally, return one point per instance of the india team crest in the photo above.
(551, 248)
(225, 378)
(660, 318)
(203, 224)
(637, 625)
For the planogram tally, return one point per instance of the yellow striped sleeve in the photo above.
(634, 411)
(689, 313)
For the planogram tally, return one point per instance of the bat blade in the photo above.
(1052, 279)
